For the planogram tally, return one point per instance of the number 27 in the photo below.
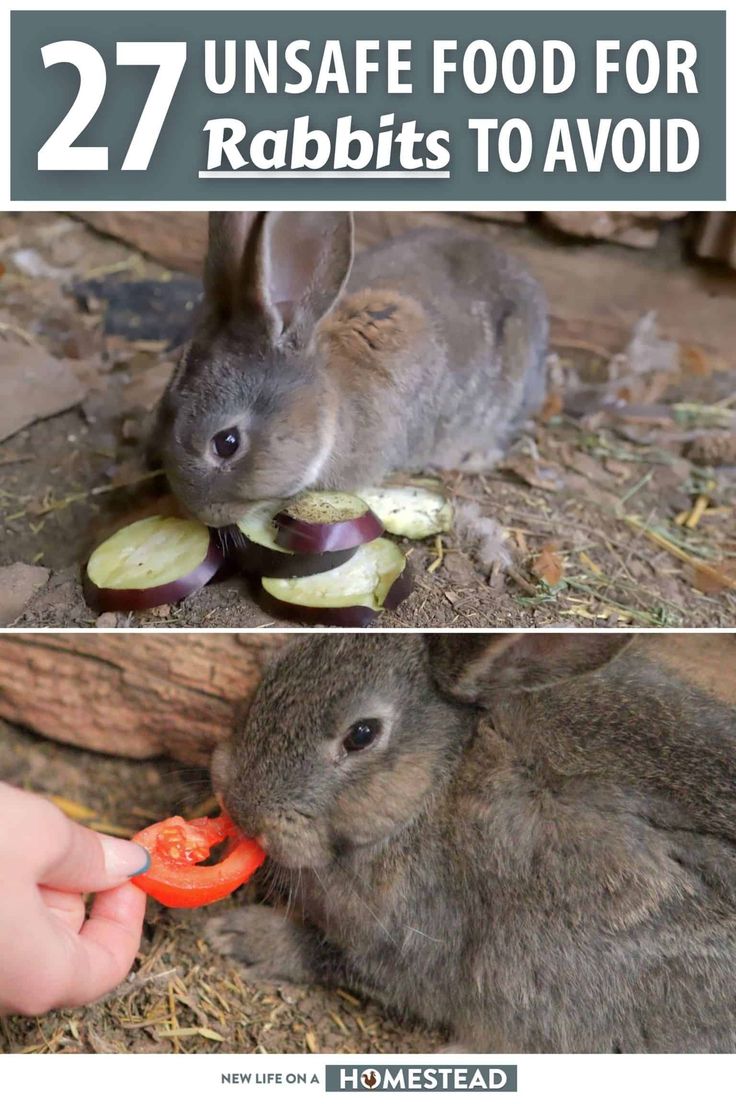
(59, 153)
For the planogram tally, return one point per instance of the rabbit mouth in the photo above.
(295, 851)
(220, 514)
(292, 840)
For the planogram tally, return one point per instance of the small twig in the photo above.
(188, 1032)
(10, 327)
(62, 503)
(637, 486)
(141, 980)
(663, 542)
(728, 401)
(521, 581)
(439, 548)
(701, 504)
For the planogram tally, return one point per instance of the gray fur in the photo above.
(539, 866)
(426, 351)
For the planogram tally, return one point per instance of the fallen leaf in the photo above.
(33, 385)
(587, 465)
(146, 387)
(547, 477)
(694, 361)
(714, 578)
(553, 405)
(548, 564)
(618, 468)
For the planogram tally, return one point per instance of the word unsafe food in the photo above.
(150, 562)
(177, 846)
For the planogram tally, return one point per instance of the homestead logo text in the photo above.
(417, 1078)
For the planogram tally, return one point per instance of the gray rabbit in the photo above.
(310, 370)
(528, 841)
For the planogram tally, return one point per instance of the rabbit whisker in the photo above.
(365, 905)
(432, 938)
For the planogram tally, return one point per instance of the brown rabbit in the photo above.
(310, 370)
(527, 840)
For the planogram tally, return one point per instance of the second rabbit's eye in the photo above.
(361, 734)
(226, 443)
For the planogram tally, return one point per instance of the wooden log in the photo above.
(176, 239)
(705, 661)
(639, 229)
(145, 694)
(592, 296)
(133, 694)
(715, 236)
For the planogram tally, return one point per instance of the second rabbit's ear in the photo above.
(282, 270)
(472, 667)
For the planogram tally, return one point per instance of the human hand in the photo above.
(51, 954)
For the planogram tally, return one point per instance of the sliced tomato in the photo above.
(176, 846)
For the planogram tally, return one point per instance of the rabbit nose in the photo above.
(263, 841)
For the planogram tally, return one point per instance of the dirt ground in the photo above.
(616, 506)
(181, 996)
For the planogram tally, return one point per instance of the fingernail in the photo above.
(123, 858)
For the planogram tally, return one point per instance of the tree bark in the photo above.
(134, 694)
(144, 694)
(176, 239)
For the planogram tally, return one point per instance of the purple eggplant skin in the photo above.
(255, 559)
(318, 536)
(341, 617)
(400, 589)
(113, 600)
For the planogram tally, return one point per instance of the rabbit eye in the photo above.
(226, 443)
(361, 734)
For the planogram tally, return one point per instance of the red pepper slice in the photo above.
(177, 845)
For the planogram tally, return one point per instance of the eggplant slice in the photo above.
(252, 545)
(325, 521)
(153, 561)
(377, 577)
(410, 511)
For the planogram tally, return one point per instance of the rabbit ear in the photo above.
(283, 270)
(473, 666)
(307, 259)
(232, 244)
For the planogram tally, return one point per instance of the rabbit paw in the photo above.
(270, 946)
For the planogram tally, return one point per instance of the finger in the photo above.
(87, 861)
(30, 976)
(38, 840)
(107, 944)
(67, 908)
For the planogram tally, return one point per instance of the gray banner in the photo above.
(41, 97)
(420, 1078)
